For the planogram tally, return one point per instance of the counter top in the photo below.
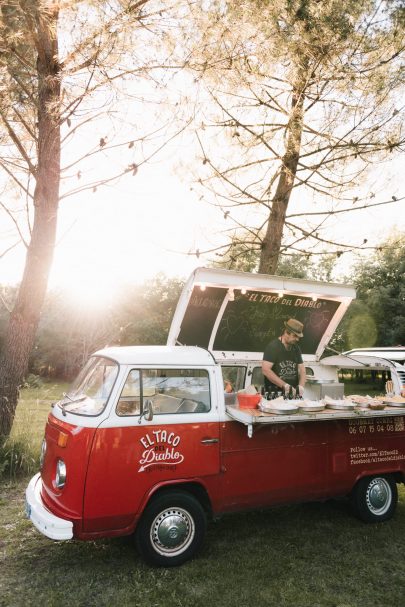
(251, 417)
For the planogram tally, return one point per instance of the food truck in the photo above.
(154, 440)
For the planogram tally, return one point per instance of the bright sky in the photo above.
(122, 234)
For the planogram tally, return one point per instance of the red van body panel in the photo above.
(116, 470)
(281, 462)
(67, 502)
(130, 463)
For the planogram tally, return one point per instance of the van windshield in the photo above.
(90, 391)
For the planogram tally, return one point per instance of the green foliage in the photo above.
(380, 286)
(146, 311)
(362, 331)
(19, 453)
(241, 256)
(33, 381)
(68, 334)
(377, 316)
(17, 458)
(143, 313)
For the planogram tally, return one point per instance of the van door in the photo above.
(281, 462)
(131, 456)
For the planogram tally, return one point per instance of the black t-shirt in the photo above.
(285, 363)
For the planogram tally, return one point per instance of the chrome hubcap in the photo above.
(379, 496)
(172, 531)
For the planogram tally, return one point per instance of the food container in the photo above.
(317, 389)
(367, 402)
(248, 401)
(376, 406)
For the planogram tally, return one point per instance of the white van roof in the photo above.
(158, 355)
(394, 353)
(235, 314)
(357, 361)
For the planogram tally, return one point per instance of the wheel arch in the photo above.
(397, 475)
(172, 526)
(194, 487)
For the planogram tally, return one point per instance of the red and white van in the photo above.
(146, 441)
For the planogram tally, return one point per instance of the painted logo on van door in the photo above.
(160, 451)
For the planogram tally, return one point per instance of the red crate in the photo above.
(249, 401)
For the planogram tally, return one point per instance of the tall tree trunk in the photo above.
(270, 252)
(24, 318)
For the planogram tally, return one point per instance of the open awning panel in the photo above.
(253, 319)
(238, 312)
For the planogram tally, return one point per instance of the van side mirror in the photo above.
(147, 411)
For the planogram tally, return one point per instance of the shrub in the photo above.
(33, 381)
(17, 458)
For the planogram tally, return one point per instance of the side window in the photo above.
(234, 377)
(129, 403)
(169, 390)
(177, 390)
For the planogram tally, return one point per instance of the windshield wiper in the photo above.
(72, 400)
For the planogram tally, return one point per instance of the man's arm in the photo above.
(302, 378)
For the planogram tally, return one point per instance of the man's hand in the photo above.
(301, 391)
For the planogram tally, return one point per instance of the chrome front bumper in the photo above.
(47, 523)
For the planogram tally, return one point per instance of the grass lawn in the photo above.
(311, 555)
(22, 450)
(33, 408)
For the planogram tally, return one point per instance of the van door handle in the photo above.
(209, 441)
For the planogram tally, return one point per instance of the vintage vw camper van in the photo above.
(147, 442)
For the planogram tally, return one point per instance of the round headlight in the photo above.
(60, 478)
(43, 453)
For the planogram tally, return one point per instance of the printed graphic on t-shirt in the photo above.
(288, 369)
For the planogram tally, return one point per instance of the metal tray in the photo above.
(282, 409)
(340, 406)
(311, 407)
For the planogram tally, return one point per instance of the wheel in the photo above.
(171, 529)
(375, 498)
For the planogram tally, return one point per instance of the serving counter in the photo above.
(254, 417)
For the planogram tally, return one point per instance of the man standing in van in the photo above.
(282, 364)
